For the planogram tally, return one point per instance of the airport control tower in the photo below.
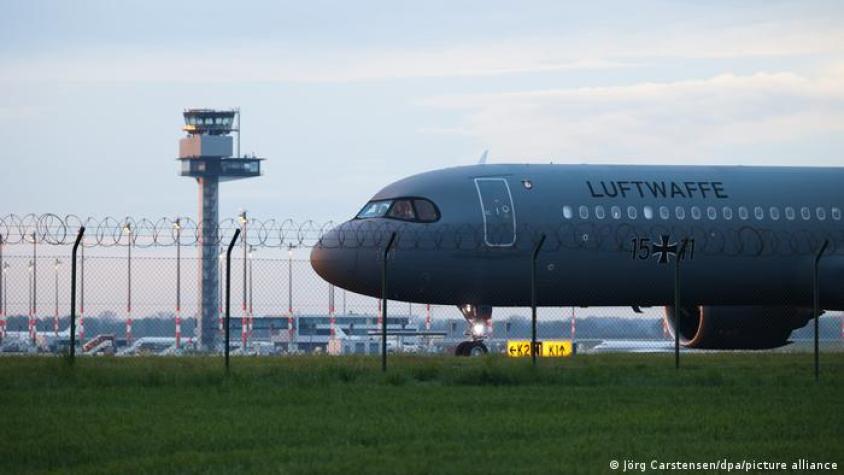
(206, 154)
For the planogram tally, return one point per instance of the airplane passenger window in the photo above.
(567, 212)
(743, 214)
(789, 213)
(425, 211)
(599, 212)
(774, 212)
(805, 213)
(402, 209)
(680, 212)
(821, 213)
(631, 212)
(759, 213)
(695, 212)
(836, 214)
(583, 211)
(616, 212)
(664, 213)
(648, 212)
(727, 212)
(711, 212)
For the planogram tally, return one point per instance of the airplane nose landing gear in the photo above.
(477, 316)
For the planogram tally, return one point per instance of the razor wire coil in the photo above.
(746, 239)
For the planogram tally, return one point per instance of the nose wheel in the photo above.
(471, 348)
(477, 317)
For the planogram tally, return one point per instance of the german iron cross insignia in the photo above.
(663, 249)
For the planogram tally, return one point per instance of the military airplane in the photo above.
(745, 240)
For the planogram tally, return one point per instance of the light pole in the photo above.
(31, 322)
(5, 298)
(82, 292)
(177, 226)
(127, 228)
(222, 272)
(428, 322)
(3, 290)
(56, 265)
(290, 321)
(3, 267)
(331, 319)
(251, 292)
(34, 311)
(244, 317)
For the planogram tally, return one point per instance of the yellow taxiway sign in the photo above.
(547, 348)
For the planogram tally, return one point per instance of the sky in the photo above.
(343, 98)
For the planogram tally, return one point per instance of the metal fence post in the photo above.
(384, 302)
(816, 305)
(677, 313)
(534, 256)
(73, 294)
(229, 292)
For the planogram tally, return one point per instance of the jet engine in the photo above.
(735, 327)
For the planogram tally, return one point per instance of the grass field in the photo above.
(426, 415)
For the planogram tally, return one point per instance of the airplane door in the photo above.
(497, 211)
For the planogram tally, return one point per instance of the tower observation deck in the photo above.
(206, 153)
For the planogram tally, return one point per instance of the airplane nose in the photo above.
(345, 262)
(324, 261)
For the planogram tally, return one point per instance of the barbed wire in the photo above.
(109, 231)
(738, 239)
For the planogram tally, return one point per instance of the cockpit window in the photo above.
(402, 209)
(375, 209)
(405, 209)
(425, 211)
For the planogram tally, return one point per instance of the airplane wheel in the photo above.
(477, 349)
(461, 349)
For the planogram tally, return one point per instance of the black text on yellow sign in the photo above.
(547, 348)
(556, 348)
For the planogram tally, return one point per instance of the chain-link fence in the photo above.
(138, 288)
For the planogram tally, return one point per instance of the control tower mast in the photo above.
(206, 154)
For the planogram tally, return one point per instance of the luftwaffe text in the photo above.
(657, 189)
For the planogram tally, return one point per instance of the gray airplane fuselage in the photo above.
(613, 235)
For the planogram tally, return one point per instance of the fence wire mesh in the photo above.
(272, 313)
(148, 303)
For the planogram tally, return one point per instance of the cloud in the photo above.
(286, 63)
(591, 50)
(22, 112)
(651, 122)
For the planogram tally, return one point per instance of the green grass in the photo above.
(426, 415)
